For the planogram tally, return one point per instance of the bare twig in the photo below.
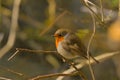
(38, 51)
(52, 75)
(89, 43)
(101, 58)
(13, 55)
(98, 17)
(73, 65)
(14, 25)
(87, 1)
(0, 11)
(12, 71)
(119, 9)
(35, 51)
(51, 25)
(1, 36)
(4, 78)
(102, 13)
(28, 50)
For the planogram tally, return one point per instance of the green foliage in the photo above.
(111, 3)
(82, 33)
(114, 3)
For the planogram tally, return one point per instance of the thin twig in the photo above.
(98, 17)
(13, 55)
(35, 51)
(73, 65)
(101, 58)
(89, 43)
(13, 29)
(0, 12)
(119, 9)
(12, 71)
(102, 13)
(4, 78)
(52, 75)
(51, 25)
(29, 50)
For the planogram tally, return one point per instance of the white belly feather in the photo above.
(65, 53)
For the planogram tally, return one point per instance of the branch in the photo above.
(12, 71)
(119, 9)
(66, 60)
(70, 71)
(88, 47)
(29, 50)
(3, 78)
(14, 25)
(102, 13)
(52, 75)
(75, 68)
(98, 17)
(51, 25)
(101, 58)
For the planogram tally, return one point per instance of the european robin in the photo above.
(69, 45)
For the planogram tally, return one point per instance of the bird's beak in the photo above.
(53, 36)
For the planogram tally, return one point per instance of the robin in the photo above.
(69, 45)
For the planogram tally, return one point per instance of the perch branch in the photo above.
(101, 58)
(38, 51)
(75, 68)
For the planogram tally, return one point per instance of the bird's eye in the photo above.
(59, 35)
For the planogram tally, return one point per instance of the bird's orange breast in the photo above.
(58, 39)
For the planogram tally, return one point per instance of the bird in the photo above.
(69, 45)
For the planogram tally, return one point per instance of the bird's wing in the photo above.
(74, 45)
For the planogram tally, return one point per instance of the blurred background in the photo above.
(37, 22)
